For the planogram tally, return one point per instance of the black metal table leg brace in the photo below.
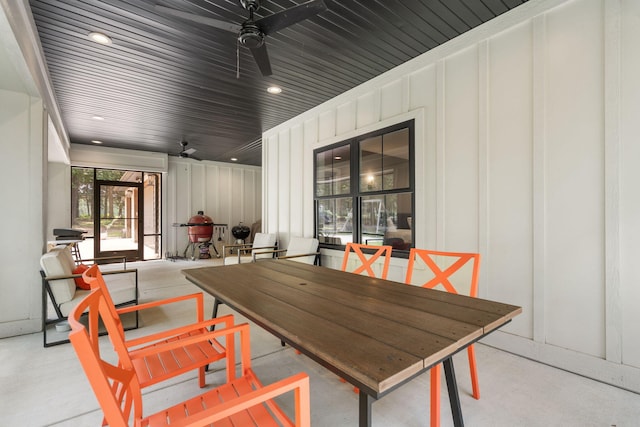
(364, 407)
(452, 387)
(216, 303)
(214, 314)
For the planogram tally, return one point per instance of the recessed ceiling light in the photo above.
(234, 159)
(97, 118)
(95, 141)
(100, 38)
(274, 90)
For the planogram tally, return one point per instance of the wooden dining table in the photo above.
(376, 334)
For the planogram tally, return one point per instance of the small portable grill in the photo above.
(240, 232)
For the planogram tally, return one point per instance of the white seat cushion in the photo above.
(302, 245)
(122, 288)
(264, 240)
(59, 262)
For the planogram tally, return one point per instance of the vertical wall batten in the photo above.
(440, 154)
(483, 163)
(613, 303)
(539, 183)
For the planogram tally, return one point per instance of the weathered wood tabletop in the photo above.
(374, 333)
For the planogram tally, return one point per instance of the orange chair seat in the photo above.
(157, 367)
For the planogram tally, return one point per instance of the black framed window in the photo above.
(364, 189)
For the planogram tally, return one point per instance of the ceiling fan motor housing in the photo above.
(250, 5)
(250, 36)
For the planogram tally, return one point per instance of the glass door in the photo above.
(119, 229)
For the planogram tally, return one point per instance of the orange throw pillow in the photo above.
(80, 283)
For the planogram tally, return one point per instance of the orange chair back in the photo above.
(93, 277)
(456, 272)
(115, 386)
(368, 258)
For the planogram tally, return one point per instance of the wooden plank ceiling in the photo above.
(165, 79)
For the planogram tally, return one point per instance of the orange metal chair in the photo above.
(367, 259)
(243, 400)
(453, 271)
(152, 366)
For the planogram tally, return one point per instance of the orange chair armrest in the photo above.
(274, 251)
(197, 296)
(227, 320)
(171, 345)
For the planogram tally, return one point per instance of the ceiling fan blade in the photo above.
(262, 59)
(222, 25)
(277, 21)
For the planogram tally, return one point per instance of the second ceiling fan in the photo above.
(251, 34)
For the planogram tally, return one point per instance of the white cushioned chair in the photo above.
(300, 249)
(261, 241)
(59, 287)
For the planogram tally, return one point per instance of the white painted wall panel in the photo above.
(236, 202)
(422, 87)
(508, 264)
(460, 167)
(391, 99)
(630, 176)
(422, 93)
(23, 215)
(271, 176)
(183, 200)
(212, 205)
(310, 140)
(574, 170)
(198, 188)
(58, 203)
(284, 185)
(345, 118)
(297, 183)
(327, 124)
(224, 175)
(368, 109)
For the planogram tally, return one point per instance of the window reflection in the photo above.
(378, 208)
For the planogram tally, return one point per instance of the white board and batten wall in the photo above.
(527, 152)
(228, 193)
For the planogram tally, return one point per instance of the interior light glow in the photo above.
(100, 38)
(234, 159)
(274, 90)
(95, 141)
(97, 118)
